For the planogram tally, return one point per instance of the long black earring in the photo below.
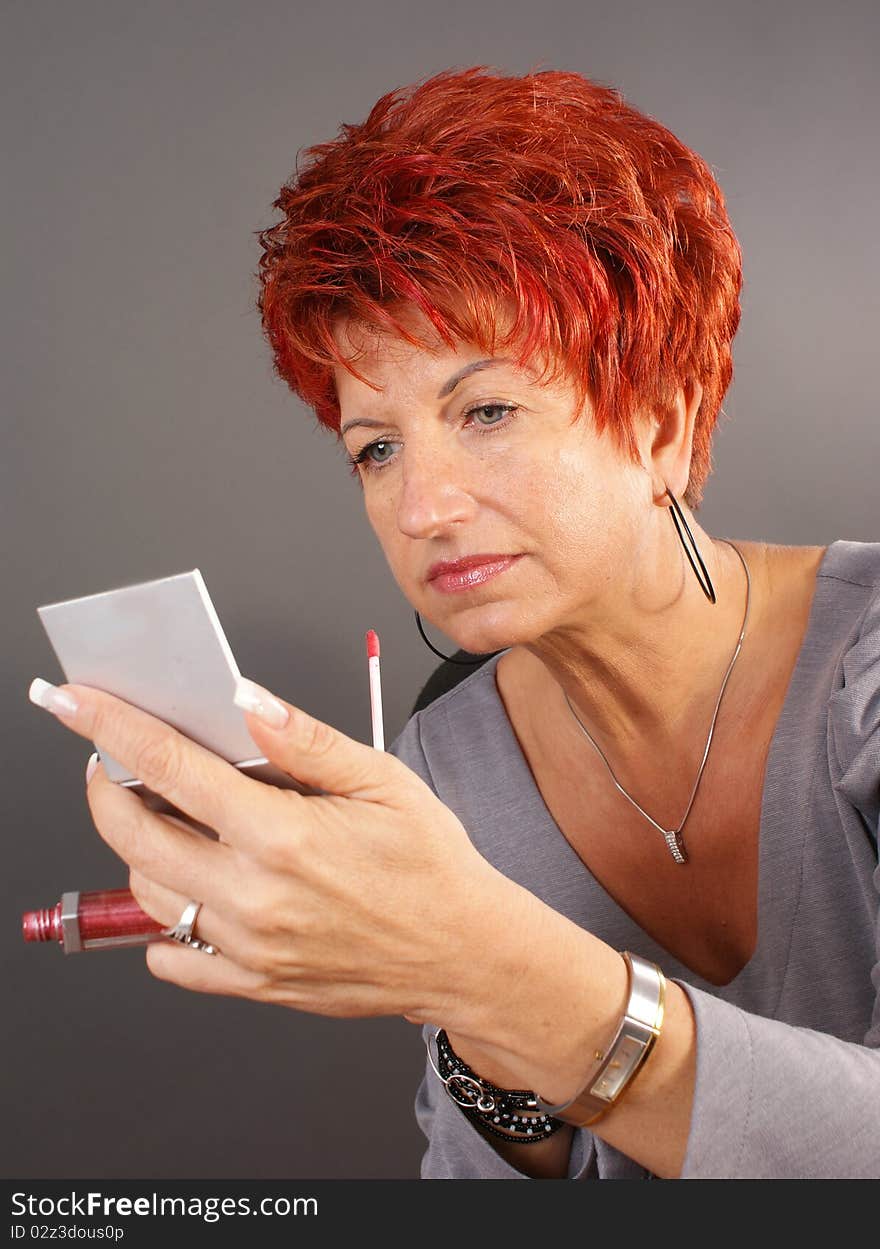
(678, 515)
(468, 663)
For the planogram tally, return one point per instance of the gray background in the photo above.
(144, 434)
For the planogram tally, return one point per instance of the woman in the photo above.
(624, 882)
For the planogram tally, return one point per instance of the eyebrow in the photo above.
(446, 389)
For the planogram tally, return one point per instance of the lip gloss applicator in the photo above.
(375, 689)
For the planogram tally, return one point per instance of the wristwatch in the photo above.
(632, 1043)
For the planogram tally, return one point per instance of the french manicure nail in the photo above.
(51, 698)
(91, 765)
(259, 702)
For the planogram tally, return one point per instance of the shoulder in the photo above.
(848, 596)
(852, 563)
(852, 580)
(789, 570)
(468, 696)
(438, 734)
(838, 586)
(452, 672)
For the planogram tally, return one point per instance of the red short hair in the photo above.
(547, 192)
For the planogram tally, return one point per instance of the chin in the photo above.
(482, 630)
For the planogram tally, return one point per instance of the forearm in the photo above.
(650, 1124)
(558, 996)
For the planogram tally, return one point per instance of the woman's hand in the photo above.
(370, 899)
(362, 900)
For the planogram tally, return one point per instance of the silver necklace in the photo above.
(672, 836)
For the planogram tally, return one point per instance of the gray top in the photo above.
(788, 1053)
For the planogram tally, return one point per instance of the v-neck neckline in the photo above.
(768, 880)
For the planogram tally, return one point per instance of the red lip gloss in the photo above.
(106, 919)
(471, 575)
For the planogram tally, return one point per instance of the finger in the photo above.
(203, 973)
(189, 776)
(159, 847)
(167, 906)
(315, 752)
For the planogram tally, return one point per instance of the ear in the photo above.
(669, 443)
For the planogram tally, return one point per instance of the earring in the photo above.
(467, 663)
(678, 515)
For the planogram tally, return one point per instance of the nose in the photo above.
(434, 493)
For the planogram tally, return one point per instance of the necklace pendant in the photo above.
(676, 847)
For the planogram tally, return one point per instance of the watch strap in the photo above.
(631, 1045)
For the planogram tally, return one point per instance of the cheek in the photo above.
(380, 507)
(583, 513)
(562, 499)
(381, 510)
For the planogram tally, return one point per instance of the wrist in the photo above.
(511, 1115)
(537, 996)
(636, 1036)
(450, 983)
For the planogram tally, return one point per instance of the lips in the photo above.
(457, 566)
(450, 576)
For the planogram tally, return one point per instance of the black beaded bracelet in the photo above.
(511, 1114)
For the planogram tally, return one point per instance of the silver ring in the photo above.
(183, 930)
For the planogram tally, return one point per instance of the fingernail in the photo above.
(259, 702)
(90, 766)
(51, 698)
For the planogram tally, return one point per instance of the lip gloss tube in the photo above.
(105, 919)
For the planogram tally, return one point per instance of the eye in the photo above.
(500, 410)
(373, 455)
(377, 451)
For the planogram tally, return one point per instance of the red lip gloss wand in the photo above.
(106, 919)
(375, 689)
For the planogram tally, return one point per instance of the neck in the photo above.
(649, 663)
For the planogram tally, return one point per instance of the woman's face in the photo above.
(501, 519)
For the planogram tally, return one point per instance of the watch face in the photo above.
(625, 1056)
